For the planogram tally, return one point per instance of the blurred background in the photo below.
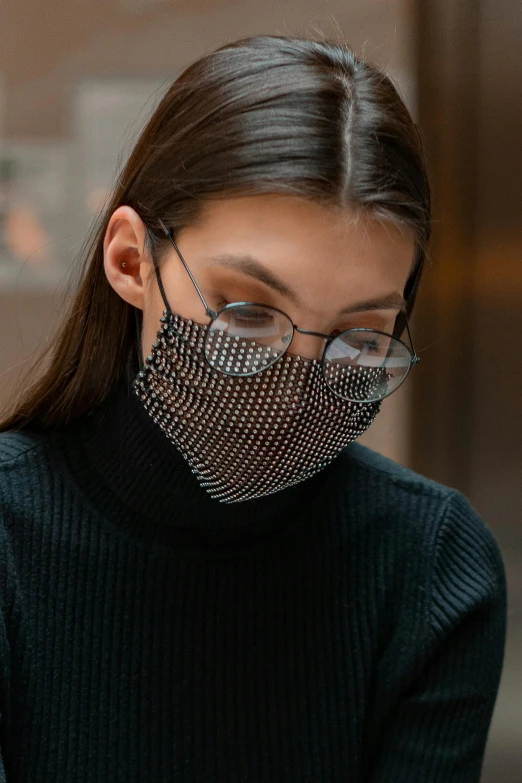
(77, 82)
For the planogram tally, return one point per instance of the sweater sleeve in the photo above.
(4, 666)
(440, 725)
(6, 582)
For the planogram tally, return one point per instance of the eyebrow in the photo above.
(250, 266)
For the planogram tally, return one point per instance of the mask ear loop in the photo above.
(138, 321)
(157, 272)
(138, 315)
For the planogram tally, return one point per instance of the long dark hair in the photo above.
(267, 114)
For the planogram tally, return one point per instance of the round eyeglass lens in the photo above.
(364, 365)
(245, 339)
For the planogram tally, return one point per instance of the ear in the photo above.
(125, 259)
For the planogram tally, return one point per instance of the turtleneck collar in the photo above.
(129, 470)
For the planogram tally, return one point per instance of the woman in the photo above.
(203, 578)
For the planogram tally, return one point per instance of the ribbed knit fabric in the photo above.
(348, 629)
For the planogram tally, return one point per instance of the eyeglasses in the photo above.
(245, 338)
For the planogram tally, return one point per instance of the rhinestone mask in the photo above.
(245, 437)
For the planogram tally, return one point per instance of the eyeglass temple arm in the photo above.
(415, 359)
(208, 311)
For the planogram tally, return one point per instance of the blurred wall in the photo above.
(466, 413)
(495, 484)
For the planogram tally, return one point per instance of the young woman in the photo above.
(202, 577)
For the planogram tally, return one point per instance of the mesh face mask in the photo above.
(245, 437)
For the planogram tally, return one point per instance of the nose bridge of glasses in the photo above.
(311, 332)
(308, 343)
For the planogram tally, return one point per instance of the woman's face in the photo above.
(328, 270)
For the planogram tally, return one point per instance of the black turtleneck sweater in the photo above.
(350, 628)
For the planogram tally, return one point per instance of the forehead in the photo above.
(322, 250)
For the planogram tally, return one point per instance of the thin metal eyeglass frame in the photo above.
(213, 314)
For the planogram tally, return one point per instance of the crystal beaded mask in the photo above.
(245, 437)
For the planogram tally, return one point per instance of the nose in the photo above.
(307, 346)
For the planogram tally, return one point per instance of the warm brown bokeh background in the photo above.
(459, 67)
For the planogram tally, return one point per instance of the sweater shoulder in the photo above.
(14, 445)
(443, 546)
(409, 503)
(21, 453)
(383, 470)
(441, 522)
